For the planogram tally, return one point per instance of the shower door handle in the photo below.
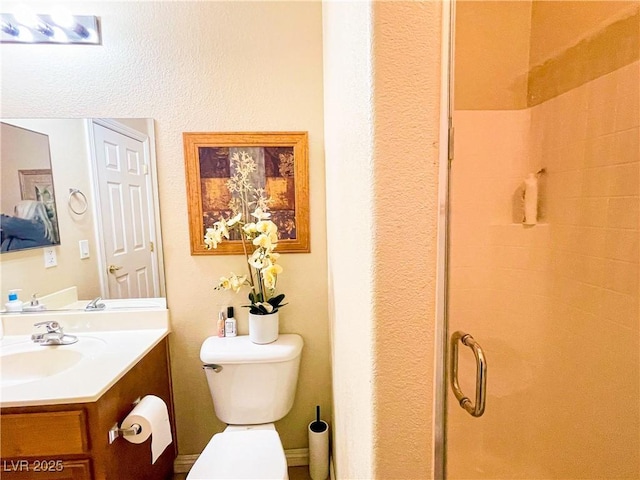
(467, 340)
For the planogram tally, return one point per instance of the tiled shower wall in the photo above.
(587, 139)
(554, 305)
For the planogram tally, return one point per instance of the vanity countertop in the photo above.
(110, 344)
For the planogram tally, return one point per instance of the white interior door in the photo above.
(126, 208)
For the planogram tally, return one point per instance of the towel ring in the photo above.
(73, 192)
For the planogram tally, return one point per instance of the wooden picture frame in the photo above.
(282, 170)
(35, 183)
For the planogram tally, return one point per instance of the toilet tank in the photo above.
(251, 384)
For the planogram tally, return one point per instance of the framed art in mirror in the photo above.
(29, 215)
(280, 167)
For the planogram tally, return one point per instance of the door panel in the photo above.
(125, 197)
(555, 305)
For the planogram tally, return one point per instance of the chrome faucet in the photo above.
(95, 304)
(53, 336)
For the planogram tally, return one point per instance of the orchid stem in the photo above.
(246, 255)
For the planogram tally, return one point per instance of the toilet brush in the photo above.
(318, 448)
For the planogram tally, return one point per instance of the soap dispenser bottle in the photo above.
(230, 324)
(14, 304)
(220, 324)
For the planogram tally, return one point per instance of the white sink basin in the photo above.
(26, 362)
(110, 343)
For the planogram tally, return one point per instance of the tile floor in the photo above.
(295, 473)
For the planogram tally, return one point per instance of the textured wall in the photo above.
(486, 80)
(406, 102)
(558, 25)
(350, 204)
(200, 66)
(381, 135)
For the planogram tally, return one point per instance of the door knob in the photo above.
(114, 268)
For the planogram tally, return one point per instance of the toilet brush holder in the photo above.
(319, 450)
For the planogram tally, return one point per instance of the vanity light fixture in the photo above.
(60, 29)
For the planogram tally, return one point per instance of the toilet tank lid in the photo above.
(240, 349)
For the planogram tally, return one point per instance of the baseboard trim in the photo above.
(183, 463)
(296, 457)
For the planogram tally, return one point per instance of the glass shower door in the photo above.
(547, 91)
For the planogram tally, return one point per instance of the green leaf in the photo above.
(255, 297)
(275, 301)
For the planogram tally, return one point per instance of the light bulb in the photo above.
(59, 35)
(26, 16)
(92, 36)
(61, 16)
(25, 35)
(10, 29)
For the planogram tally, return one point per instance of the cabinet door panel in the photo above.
(44, 434)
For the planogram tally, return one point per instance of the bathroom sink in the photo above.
(26, 361)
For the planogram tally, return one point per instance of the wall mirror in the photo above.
(105, 203)
(28, 207)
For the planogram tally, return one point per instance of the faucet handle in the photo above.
(51, 326)
(34, 300)
(95, 304)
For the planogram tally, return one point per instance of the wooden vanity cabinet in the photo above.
(70, 442)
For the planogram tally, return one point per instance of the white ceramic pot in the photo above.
(263, 328)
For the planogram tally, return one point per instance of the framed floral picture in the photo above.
(275, 165)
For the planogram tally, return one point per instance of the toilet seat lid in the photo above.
(247, 454)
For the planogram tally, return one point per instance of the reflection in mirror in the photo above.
(28, 208)
(108, 241)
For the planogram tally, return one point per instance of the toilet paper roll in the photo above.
(153, 417)
(319, 450)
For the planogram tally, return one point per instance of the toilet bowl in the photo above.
(242, 453)
(252, 386)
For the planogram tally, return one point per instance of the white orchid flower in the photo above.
(225, 283)
(249, 228)
(261, 214)
(263, 241)
(212, 238)
(267, 226)
(270, 275)
(273, 256)
(236, 282)
(234, 220)
(257, 260)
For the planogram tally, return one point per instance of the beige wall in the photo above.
(382, 146)
(556, 25)
(492, 54)
(25, 269)
(499, 44)
(201, 66)
(406, 55)
(348, 82)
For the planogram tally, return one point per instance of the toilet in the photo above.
(252, 386)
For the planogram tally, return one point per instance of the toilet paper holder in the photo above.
(116, 431)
